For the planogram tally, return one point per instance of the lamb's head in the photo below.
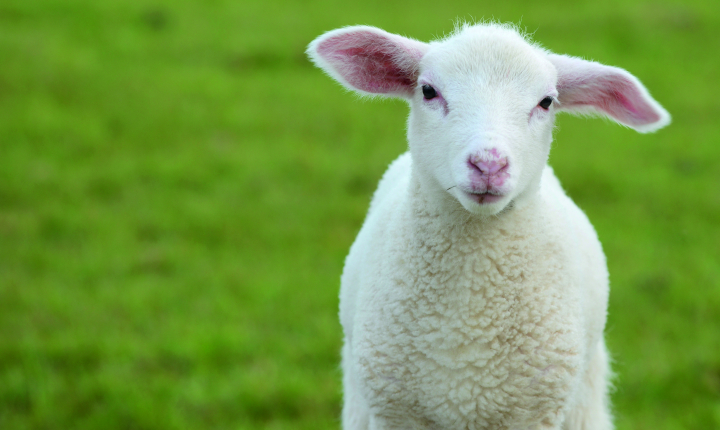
(482, 104)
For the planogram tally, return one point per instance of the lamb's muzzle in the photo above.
(488, 171)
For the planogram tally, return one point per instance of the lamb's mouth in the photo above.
(484, 198)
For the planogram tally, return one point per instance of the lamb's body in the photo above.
(475, 294)
(477, 325)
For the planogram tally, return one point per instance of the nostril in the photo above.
(477, 165)
(488, 167)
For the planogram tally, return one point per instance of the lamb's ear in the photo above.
(369, 60)
(586, 87)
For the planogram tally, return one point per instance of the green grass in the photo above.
(179, 187)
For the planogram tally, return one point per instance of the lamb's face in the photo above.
(481, 118)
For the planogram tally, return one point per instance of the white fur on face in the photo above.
(489, 82)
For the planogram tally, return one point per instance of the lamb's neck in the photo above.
(448, 246)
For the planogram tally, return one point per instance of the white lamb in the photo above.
(475, 294)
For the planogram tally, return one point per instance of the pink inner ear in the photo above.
(372, 62)
(586, 84)
(614, 94)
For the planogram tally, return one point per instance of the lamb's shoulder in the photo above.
(472, 324)
(586, 259)
(368, 249)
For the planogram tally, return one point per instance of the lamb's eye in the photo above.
(545, 103)
(429, 92)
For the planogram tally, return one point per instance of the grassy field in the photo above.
(179, 187)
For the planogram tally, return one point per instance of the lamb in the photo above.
(475, 294)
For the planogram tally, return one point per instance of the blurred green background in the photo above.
(179, 187)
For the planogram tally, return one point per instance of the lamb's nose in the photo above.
(489, 167)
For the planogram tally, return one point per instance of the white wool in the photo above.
(466, 314)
